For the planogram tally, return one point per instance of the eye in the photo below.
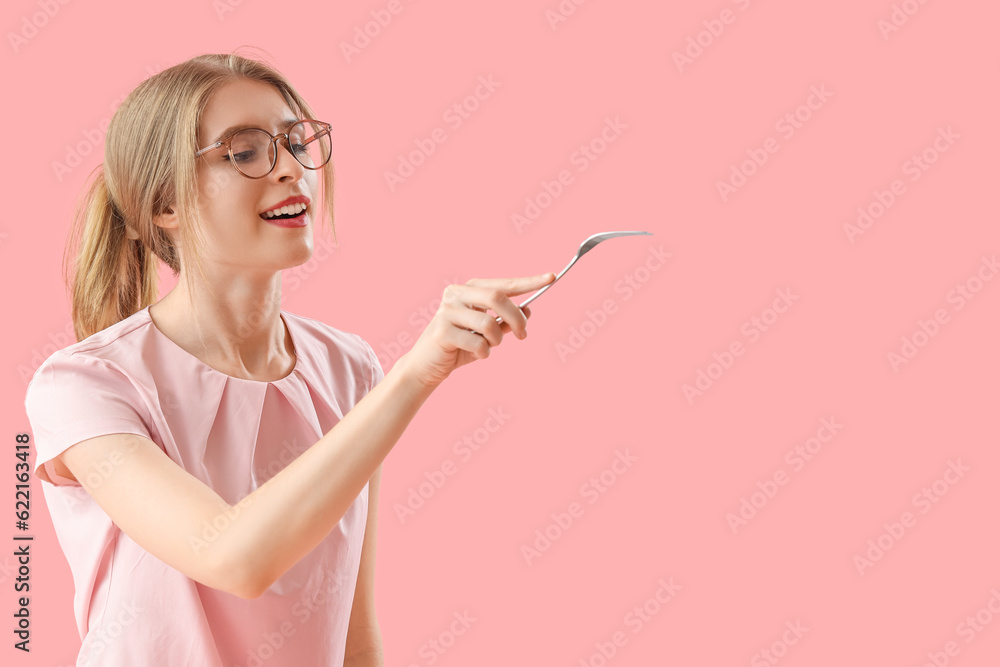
(243, 156)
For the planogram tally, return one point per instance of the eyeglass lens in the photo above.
(253, 150)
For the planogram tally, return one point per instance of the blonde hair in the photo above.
(149, 165)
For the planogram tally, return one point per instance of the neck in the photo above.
(238, 330)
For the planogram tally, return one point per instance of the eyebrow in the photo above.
(230, 131)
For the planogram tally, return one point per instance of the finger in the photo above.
(506, 328)
(474, 297)
(514, 286)
(478, 322)
(468, 341)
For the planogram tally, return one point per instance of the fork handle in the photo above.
(539, 292)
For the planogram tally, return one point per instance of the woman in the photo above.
(214, 497)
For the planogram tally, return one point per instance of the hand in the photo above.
(462, 330)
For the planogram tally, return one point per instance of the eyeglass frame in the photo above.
(274, 138)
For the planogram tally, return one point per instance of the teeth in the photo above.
(294, 209)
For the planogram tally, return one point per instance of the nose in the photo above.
(286, 166)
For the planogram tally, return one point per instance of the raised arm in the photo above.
(165, 509)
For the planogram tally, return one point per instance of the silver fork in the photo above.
(589, 244)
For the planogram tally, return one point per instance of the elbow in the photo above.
(247, 591)
(238, 576)
(246, 588)
(246, 584)
(249, 594)
(241, 564)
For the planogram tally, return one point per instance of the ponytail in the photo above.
(115, 274)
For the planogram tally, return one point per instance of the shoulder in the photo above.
(330, 347)
(111, 352)
(85, 390)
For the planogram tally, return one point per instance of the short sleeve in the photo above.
(377, 374)
(73, 397)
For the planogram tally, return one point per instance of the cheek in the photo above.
(221, 195)
(311, 179)
(214, 181)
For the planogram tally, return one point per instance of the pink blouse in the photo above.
(232, 434)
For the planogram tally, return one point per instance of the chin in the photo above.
(300, 255)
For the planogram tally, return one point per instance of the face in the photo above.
(230, 204)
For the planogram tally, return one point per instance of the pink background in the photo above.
(888, 93)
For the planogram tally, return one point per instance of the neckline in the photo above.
(281, 314)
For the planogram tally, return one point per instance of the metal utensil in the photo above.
(589, 244)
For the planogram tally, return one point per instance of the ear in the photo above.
(167, 219)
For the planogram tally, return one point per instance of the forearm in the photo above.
(373, 658)
(290, 514)
(365, 652)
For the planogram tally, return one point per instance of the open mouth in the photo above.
(285, 212)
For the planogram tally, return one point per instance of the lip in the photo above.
(297, 221)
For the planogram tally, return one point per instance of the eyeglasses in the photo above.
(253, 151)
